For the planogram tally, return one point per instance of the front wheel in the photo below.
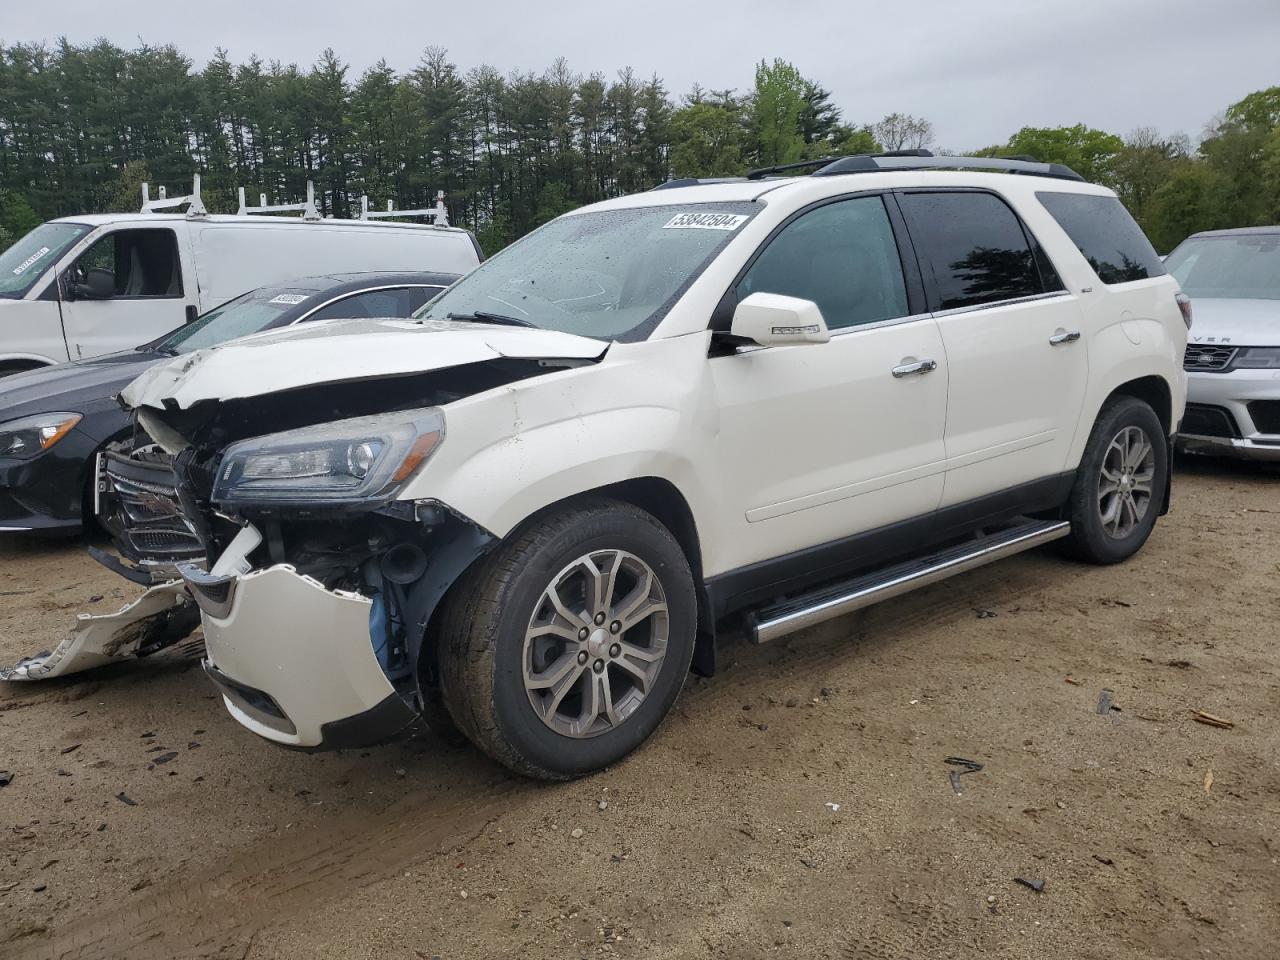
(1120, 484)
(567, 647)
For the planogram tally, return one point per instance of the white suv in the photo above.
(777, 397)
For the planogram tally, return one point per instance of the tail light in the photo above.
(1184, 304)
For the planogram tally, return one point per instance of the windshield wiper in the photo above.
(481, 316)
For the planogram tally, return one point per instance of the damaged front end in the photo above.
(316, 584)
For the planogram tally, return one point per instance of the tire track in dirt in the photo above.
(216, 914)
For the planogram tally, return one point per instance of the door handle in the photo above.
(912, 369)
(1064, 336)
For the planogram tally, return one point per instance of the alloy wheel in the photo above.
(595, 643)
(1125, 482)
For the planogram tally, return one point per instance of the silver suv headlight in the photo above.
(1258, 358)
(362, 460)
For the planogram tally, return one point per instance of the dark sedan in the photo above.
(53, 421)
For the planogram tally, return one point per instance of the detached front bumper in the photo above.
(294, 662)
(1234, 414)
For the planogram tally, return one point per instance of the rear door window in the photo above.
(974, 246)
(394, 302)
(1106, 235)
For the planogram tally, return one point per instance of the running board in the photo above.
(797, 613)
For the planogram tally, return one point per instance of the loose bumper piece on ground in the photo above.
(162, 616)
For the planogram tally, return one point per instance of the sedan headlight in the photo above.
(25, 438)
(1258, 358)
(361, 460)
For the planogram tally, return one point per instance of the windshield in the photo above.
(1243, 267)
(610, 274)
(26, 261)
(246, 314)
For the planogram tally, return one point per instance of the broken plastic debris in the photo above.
(1034, 883)
(159, 617)
(835, 807)
(1105, 703)
(126, 799)
(6, 778)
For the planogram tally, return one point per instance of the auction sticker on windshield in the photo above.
(31, 261)
(705, 221)
(290, 298)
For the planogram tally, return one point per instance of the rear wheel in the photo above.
(1120, 483)
(567, 647)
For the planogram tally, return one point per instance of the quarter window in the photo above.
(1103, 231)
(843, 257)
(975, 247)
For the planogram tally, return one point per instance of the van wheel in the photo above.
(563, 651)
(1120, 483)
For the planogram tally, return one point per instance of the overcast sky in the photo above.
(978, 69)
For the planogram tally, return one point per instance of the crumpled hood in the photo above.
(1240, 323)
(337, 350)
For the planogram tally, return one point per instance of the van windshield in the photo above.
(608, 274)
(27, 260)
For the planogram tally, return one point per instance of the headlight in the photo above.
(25, 438)
(1258, 358)
(349, 461)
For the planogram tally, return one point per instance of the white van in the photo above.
(82, 286)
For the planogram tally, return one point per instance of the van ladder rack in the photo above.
(307, 208)
(835, 600)
(438, 214)
(195, 206)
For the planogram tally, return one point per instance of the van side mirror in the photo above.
(99, 284)
(772, 320)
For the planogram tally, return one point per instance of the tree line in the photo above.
(83, 126)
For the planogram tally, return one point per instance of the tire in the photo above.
(504, 638)
(1112, 513)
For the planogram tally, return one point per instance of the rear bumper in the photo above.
(294, 662)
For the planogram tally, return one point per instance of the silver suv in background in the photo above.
(1233, 352)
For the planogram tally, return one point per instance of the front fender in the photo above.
(500, 484)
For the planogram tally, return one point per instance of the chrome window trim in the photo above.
(355, 293)
(1012, 301)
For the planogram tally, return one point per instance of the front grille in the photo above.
(1203, 356)
(1202, 420)
(1265, 415)
(141, 510)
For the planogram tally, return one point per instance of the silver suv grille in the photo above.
(1201, 356)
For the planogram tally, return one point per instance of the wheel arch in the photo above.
(1155, 392)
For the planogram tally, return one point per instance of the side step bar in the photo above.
(827, 603)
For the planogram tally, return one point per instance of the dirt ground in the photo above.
(797, 805)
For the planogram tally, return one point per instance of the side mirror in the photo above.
(772, 320)
(99, 284)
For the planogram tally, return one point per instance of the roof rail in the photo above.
(195, 207)
(438, 214)
(306, 208)
(923, 160)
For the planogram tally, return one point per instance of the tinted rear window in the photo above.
(1110, 240)
(975, 247)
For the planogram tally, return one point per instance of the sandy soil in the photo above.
(1155, 835)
